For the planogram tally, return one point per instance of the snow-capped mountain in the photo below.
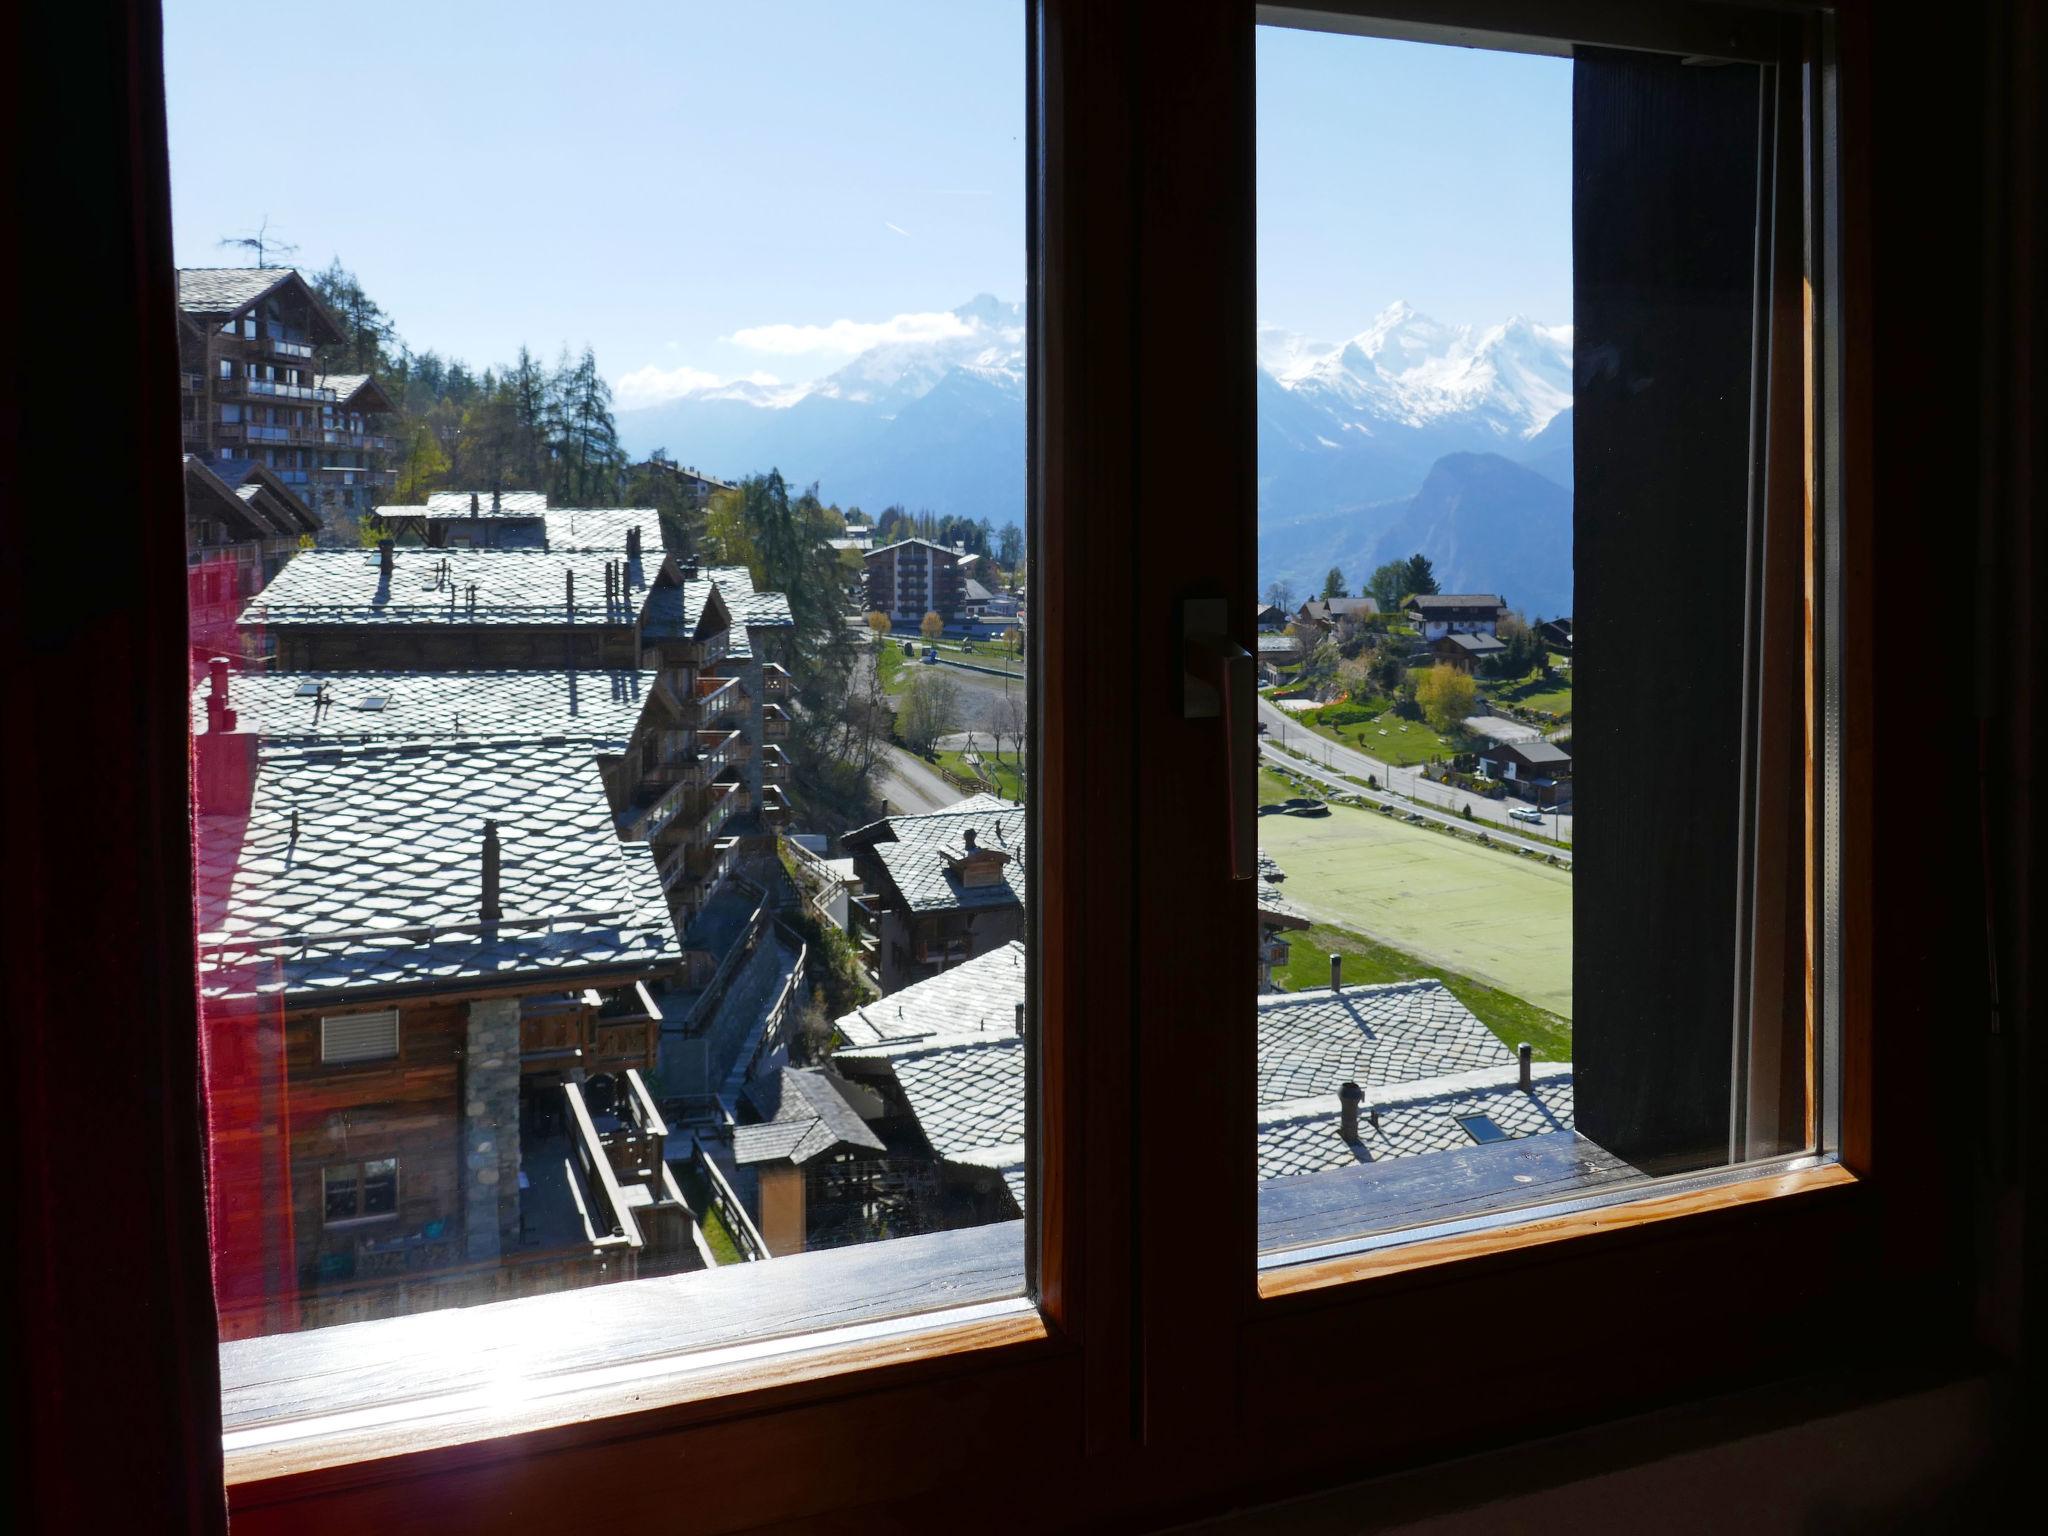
(1348, 430)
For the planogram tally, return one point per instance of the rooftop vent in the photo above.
(385, 563)
(475, 507)
(1349, 1097)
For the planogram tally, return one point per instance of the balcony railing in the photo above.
(285, 391)
(277, 346)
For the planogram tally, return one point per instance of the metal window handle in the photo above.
(1218, 683)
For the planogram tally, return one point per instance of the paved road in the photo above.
(1300, 742)
(1322, 776)
(910, 786)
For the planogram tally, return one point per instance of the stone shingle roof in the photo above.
(224, 290)
(1273, 907)
(1312, 1042)
(1422, 1058)
(676, 611)
(760, 610)
(806, 1113)
(1427, 603)
(516, 504)
(347, 386)
(602, 528)
(968, 1002)
(1414, 1118)
(916, 857)
(514, 586)
(596, 707)
(361, 868)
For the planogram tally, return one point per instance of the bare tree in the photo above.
(260, 243)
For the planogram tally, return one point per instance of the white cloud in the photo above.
(651, 385)
(850, 336)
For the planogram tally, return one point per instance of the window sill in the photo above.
(295, 1403)
(1623, 1205)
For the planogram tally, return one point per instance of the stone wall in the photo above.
(490, 1128)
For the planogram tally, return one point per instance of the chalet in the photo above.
(940, 888)
(1465, 650)
(426, 970)
(241, 525)
(1270, 618)
(806, 1159)
(251, 392)
(354, 469)
(1538, 770)
(913, 577)
(1348, 1077)
(1472, 613)
(1557, 634)
(1328, 614)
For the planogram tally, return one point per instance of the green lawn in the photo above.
(717, 1235)
(1536, 692)
(1368, 961)
(1391, 739)
(1502, 920)
(889, 661)
(986, 653)
(1009, 783)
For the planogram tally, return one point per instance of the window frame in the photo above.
(1121, 1338)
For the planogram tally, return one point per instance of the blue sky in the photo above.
(716, 190)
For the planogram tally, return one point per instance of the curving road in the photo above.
(1296, 742)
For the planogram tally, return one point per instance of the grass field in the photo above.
(1391, 739)
(889, 662)
(725, 1249)
(1537, 692)
(1503, 921)
(1367, 961)
(1008, 784)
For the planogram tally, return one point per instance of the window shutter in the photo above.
(359, 1036)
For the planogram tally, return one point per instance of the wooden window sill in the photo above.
(1398, 1253)
(294, 1403)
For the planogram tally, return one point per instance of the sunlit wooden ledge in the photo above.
(1607, 1205)
(302, 1402)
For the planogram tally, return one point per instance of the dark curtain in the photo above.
(116, 1386)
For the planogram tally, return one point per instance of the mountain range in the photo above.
(1412, 435)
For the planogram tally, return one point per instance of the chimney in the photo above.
(474, 508)
(1523, 1054)
(633, 542)
(1349, 1097)
(967, 837)
(384, 561)
(571, 584)
(218, 716)
(490, 910)
(611, 594)
(1336, 972)
(495, 506)
(1020, 1021)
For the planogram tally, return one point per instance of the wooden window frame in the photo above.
(1158, 1380)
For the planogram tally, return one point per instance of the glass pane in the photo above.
(609, 759)
(1420, 953)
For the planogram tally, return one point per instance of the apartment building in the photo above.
(913, 577)
(250, 390)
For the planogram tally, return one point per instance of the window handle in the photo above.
(1218, 683)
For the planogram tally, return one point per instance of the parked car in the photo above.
(1525, 813)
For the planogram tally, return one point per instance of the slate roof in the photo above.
(1275, 909)
(968, 1002)
(378, 886)
(1456, 602)
(1531, 752)
(912, 850)
(514, 587)
(1340, 607)
(596, 707)
(1414, 1118)
(806, 1113)
(347, 386)
(518, 504)
(1310, 1043)
(601, 528)
(676, 611)
(759, 610)
(1422, 1058)
(215, 292)
(1279, 645)
(1478, 645)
